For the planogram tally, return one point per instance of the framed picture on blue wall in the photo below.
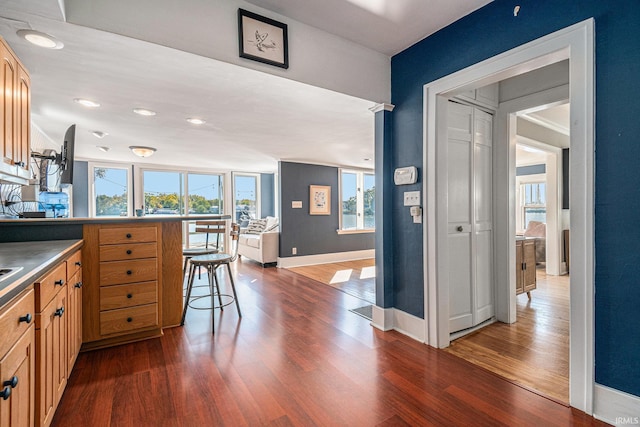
(319, 200)
(262, 39)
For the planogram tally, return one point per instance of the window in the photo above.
(534, 200)
(357, 196)
(163, 193)
(245, 197)
(205, 194)
(111, 191)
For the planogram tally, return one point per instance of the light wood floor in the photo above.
(534, 351)
(297, 357)
(355, 278)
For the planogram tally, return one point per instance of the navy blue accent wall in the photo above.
(531, 170)
(267, 195)
(80, 189)
(565, 178)
(313, 234)
(492, 30)
(384, 209)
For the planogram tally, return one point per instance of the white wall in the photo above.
(211, 30)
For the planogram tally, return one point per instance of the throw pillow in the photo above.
(272, 223)
(256, 226)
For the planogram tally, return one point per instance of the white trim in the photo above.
(382, 107)
(299, 261)
(577, 44)
(615, 407)
(387, 319)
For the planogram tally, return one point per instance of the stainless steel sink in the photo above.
(6, 272)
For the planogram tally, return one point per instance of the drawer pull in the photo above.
(129, 272)
(128, 235)
(59, 312)
(78, 263)
(129, 319)
(5, 393)
(78, 285)
(59, 282)
(129, 252)
(13, 382)
(26, 318)
(129, 296)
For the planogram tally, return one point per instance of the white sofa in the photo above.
(262, 247)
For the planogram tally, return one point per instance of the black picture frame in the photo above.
(262, 39)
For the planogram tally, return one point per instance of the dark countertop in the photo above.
(108, 220)
(35, 258)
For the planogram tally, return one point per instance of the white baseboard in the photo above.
(615, 407)
(299, 261)
(387, 319)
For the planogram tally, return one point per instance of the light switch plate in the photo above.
(296, 204)
(412, 198)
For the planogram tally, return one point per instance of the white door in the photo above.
(470, 216)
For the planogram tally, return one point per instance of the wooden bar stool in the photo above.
(216, 228)
(211, 262)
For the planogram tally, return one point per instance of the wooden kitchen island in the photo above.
(132, 272)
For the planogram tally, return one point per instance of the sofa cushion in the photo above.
(256, 226)
(251, 240)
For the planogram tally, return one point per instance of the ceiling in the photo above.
(253, 119)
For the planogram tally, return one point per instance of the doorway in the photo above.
(574, 43)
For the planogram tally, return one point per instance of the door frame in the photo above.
(575, 43)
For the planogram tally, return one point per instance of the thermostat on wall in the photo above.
(407, 175)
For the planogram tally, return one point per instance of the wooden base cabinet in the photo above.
(525, 266)
(122, 292)
(17, 362)
(74, 319)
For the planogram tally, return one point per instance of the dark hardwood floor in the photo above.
(296, 357)
(357, 278)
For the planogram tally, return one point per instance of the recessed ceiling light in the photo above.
(99, 134)
(144, 112)
(87, 102)
(40, 39)
(195, 121)
(366, 159)
(103, 148)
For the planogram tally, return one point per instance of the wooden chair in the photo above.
(211, 262)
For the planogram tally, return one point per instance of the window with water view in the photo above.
(358, 195)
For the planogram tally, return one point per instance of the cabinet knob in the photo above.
(129, 252)
(128, 235)
(59, 312)
(26, 318)
(59, 282)
(13, 382)
(129, 296)
(78, 285)
(78, 263)
(5, 393)
(129, 319)
(459, 228)
(20, 164)
(129, 272)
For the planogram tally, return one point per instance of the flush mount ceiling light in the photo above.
(142, 151)
(103, 148)
(195, 121)
(144, 112)
(86, 102)
(40, 39)
(99, 134)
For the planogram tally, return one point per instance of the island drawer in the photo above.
(13, 320)
(48, 286)
(128, 319)
(122, 296)
(121, 272)
(128, 251)
(115, 236)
